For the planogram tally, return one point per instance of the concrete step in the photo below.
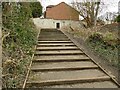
(99, 84)
(58, 48)
(59, 52)
(50, 30)
(53, 39)
(63, 77)
(53, 36)
(51, 33)
(60, 58)
(63, 69)
(56, 44)
(64, 41)
(52, 66)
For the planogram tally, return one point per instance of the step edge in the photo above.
(68, 81)
(64, 69)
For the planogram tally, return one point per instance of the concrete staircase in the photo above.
(59, 63)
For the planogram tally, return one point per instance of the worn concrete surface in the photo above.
(63, 64)
(60, 47)
(56, 38)
(59, 52)
(60, 57)
(105, 84)
(54, 41)
(66, 75)
(56, 44)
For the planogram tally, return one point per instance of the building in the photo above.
(58, 16)
(62, 11)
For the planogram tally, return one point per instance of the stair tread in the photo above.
(59, 47)
(103, 84)
(49, 38)
(55, 41)
(60, 57)
(59, 52)
(53, 65)
(65, 75)
(57, 44)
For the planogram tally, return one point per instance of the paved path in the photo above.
(59, 63)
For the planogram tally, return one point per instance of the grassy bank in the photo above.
(19, 38)
(106, 46)
(103, 40)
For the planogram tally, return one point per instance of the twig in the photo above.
(6, 35)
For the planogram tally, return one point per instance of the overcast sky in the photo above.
(112, 5)
(53, 2)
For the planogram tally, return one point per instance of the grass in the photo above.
(18, 46)
(108, 53)
(105, 44)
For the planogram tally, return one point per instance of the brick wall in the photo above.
(62, 11)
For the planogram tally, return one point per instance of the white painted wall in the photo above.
(51, 23)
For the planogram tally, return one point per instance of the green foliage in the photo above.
(20, 27)
(103, 45)
(36, 9)
(111, 38)
(18, 45)
(96, 37)
(118, 18)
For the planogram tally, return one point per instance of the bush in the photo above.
(18, 45)
(96, 37)
(118, 18)
(110, 39)
(105, 45)
(36, 9)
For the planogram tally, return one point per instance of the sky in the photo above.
(53, 2)
(112, 5)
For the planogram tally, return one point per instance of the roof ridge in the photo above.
(64, 3)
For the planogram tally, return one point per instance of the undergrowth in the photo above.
(19, 38)
(106, 46)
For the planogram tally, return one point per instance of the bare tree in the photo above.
(88, 10)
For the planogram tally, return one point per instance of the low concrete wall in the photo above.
(51, 23)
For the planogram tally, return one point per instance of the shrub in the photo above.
(18, 45)
(105, 45)
(95, 37)
(117, 18)
(110, 38)
(36, 9)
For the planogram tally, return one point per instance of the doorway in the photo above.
(58, 25)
